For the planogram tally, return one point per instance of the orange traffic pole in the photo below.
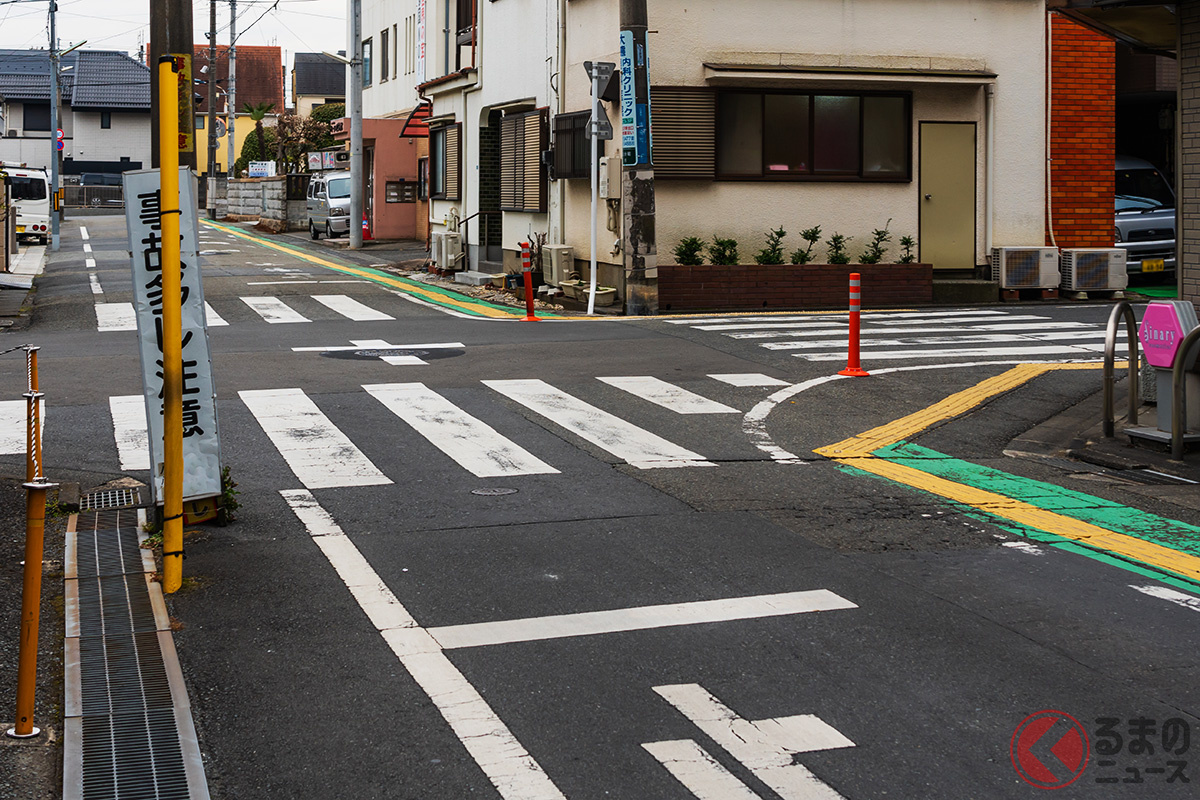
(853, 367)
(527, 268)
(31, 589)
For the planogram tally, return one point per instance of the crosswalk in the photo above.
(322, 456)
(914, 336)
(118, 316)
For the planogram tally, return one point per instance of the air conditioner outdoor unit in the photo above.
(1093, 269)
(561, 260)
(1025, 267)
(446, 247)
(12, 133)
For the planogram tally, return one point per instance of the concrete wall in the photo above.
(265, 199)
(129, 136)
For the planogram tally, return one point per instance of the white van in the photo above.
(29, 189)
(329, 204)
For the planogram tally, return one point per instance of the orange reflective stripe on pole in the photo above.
(527, 268)
(853, 367)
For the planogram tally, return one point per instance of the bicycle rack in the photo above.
(1121, 309)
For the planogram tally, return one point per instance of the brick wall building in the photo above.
(1082, 136)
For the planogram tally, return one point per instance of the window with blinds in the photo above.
(523, 137)
(572, 149)
(444, 162)
(683, 126)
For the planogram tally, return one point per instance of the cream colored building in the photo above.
(766, 113)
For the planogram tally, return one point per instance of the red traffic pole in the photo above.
(527, 268)
(853, 367)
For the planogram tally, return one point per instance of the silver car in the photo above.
(328, 204)
(1145, 218)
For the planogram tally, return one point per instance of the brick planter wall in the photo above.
(791, 286)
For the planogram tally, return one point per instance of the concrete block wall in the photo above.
(1188, 190)
(265, 199)
(1082, 136)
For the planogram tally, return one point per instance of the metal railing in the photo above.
(1179, 393)
(1121, 309)
(93, 196)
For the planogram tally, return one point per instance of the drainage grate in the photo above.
(109, 498)
(111, 549)
(133, 755)
(122, 674)
(493, 492)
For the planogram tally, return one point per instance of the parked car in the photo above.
(328, 203)
(99, 179)
(1145, 218)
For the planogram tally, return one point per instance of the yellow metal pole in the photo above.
(168, 131)
(31, 590)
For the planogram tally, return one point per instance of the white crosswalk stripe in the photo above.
(915, 336)
(274, 310)
(475, 445)
(638, 447)
(14, 426)
(668, 395)
(115, 317)
(214, 319)
(317, 451)
(350, 308)
(129, 430)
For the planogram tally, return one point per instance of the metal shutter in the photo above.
(683, 124)
(523, 137)
(453, 183)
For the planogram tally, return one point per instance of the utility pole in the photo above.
(171, 34)
(231, 94)
(211, 194)
(356, 134)
(637, 166)
(55, 140)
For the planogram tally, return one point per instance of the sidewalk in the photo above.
(15, 285)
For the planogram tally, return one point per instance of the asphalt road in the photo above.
(782, 624)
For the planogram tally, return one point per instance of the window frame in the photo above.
(38, 118)
(578, 133)
(439, 163)
(384, 56)
(516, 171)
(368, 51)
(811, 176)
(106, 120)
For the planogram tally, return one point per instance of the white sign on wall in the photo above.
(201, 443)
(420, 41)
(261, 169)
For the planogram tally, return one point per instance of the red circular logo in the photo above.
(1049, 749)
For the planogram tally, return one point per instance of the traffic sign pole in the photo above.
(597, 129)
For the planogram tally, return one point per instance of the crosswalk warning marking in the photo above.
(320, 455)
(668, 395)
(698, 771)
(214, 319)
(274, 310)
(629, 443)
(473, 444)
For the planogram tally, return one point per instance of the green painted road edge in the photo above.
(372, 272)
(1094, 510)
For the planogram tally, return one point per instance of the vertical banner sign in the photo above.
(420, 41)
(201, 443)
(187, 109)
(635, 100)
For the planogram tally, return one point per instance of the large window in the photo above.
(444, 162)
(848, 136)
(37, 117)
(523, 137)
(572, 148)
(367, 47)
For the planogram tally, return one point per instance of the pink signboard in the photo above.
(1163, 327)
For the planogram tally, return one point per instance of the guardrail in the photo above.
(1121, 309)
(94, 196)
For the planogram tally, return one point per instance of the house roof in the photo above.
(259, 76)
(106, 79)
(318, 74)
(100, 79)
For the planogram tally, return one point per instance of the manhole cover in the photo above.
(368, 353)
(493, 492)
